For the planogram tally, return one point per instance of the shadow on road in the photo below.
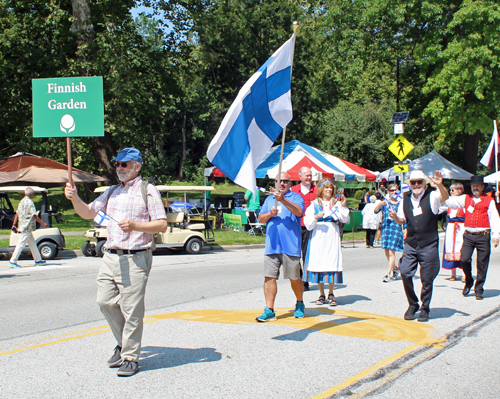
(444, 313)
(159, 357)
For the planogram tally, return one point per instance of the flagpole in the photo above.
(495, 131)
(295, 27)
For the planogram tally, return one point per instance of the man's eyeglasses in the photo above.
(284, 181)
(413, 182)
(391, 191)
(122, 164)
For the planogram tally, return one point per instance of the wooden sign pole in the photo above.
(70, 172)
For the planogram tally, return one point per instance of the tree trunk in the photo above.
(103, 151)
(184, 153)
(471, 148)
(82, 25)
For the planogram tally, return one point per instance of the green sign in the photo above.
(233, 221)
(68, 107)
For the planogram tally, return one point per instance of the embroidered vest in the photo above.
(479, 217)
(422, 229)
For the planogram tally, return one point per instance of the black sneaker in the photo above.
(410, 313)
(423, 316)
(128, 368)
(116, 359)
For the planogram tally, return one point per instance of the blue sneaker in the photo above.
(299, 310)
(14, 265)
(40, 263)
(267, 315)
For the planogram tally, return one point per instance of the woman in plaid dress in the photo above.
(392, 233)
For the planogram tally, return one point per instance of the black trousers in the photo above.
(428, 257)
(481, 243)
(305, 240)
(370, 237)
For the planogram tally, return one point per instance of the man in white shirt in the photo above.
(420, 210)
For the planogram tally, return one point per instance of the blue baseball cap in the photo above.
(128, 154)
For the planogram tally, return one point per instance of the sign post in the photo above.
(68, 107)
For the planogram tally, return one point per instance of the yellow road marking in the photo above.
(82, 334)
(328, 321)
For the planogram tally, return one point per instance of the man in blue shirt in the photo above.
(282, 213)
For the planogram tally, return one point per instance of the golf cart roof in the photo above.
(22, 189)
(163, 189)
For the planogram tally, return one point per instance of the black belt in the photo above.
(125, 251)
(478, 233)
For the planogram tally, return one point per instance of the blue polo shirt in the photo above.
(283, 233)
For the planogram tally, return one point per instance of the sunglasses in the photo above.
(122, 164)
(391, 191)
(284, 181)
(413, 182)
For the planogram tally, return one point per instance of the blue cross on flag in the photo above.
(256, 118)
(102, 219)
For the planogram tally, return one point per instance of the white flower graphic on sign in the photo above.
(67, 124)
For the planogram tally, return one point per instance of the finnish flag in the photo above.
(102, 219)
(256, 118)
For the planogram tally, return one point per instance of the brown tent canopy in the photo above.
(25, 169)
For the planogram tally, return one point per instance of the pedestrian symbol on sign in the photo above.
(401, 147)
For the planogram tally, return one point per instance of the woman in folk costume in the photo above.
(392, 233)
(454, 236)
(324, 252)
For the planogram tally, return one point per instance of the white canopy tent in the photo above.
(429, 164)
(493, 178)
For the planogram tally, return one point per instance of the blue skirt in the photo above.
(323, 277)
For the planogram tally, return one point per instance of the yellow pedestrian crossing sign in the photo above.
(401, 168)
(401, 148)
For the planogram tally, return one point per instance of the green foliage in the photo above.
(359, 195)
(169, 78)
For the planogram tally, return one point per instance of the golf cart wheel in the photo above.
(98, 248)
(48, 250)
(88, 249)
(194, 245)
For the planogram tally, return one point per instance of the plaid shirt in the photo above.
(25, 212)
(126, 202)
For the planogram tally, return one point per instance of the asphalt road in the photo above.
(201, 339)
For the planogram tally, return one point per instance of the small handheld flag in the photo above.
(102, 218)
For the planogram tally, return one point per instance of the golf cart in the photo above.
(48, 240)
(182, 232)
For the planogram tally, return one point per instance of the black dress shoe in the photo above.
(479, 297)
(423, 316)
(410, 313)
(467, 288)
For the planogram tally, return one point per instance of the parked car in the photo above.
(182, 232)
(48, 240)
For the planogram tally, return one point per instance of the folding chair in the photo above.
(256, 228)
